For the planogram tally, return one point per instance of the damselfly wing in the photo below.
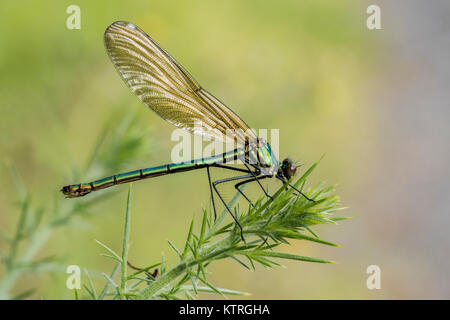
(162, 84)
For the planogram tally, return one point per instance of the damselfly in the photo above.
(168, 89)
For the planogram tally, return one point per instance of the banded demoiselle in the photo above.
(162, 84)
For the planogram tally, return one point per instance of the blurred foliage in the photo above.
(36, 223)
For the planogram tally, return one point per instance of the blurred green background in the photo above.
(310, 68)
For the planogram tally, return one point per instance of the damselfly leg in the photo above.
(297, 190)
(215, 183)
(256, 178)
(237, 185)
(218, 165)
(150, 275)
(212, 194)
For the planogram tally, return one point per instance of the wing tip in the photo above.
(113, 28)
(120, 23)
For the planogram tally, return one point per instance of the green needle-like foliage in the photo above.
(266, 225)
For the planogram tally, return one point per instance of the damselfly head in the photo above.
(288, 168)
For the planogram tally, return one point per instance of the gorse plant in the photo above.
(266, 225)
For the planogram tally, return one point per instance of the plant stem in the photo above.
(126, 238)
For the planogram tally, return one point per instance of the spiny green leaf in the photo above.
(222, 290)
(114, 254)
(283, 255)
(111, 257)
(298, 235)
(105, 289)
(239, 261)
(207, 283)
(91, 285)
(188, 240)
(175, 249)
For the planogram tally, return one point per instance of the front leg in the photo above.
(255, 176)
(237, 185)
(299, 192)
(215, 183)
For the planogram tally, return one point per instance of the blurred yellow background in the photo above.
(310, 68)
